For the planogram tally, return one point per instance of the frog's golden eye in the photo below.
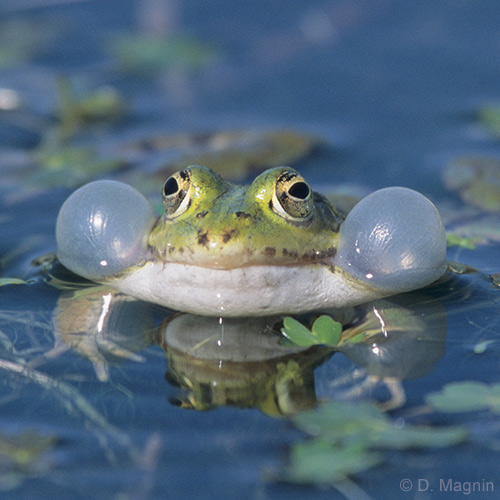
(292, 197)
(176, 197)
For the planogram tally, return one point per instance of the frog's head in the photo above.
(273, 235)
(210, 223)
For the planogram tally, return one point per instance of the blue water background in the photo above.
(390, 86)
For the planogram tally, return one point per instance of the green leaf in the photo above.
(348, 438)
(480, 347)
(356, 339)
(489, 116)
(11, 281)
(318, 461)
(420, 437)
(366, 425)
(327, 330)
(458, 397)
(297, 333)
(341, 422)
(454, 240)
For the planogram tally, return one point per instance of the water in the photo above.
(391, 89)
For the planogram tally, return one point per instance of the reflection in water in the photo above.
(242, 362)
(238, 362)
(101, 324)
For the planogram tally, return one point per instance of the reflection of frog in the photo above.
(238, 363)
(272, 247)
(101, 324)
(241, 361)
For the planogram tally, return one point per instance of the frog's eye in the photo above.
(103, 228)
(394, 240)
(176, 197)
(292, 197)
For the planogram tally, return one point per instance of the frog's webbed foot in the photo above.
(97, 350)
(94, 348)
(397, 394)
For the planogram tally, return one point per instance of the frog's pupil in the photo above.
(299, 190)
(171, 187)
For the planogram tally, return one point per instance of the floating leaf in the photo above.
(101, 105)
(359, 337)
(490, 117)
(327, 330)
(347, 438)
(25, 448)
(365, 424)
(297, 333)
(476, 180)
(480, 347)
(343, 422)
(70, 166)
(11, 281)
(233, 154)
(454, 240)
(466, 396)
(419, 437)
(317, 461)
(144, 53)
(324, 331)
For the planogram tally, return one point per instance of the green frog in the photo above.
(273, 247)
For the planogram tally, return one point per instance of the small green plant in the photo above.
(347, 438)
(324, 331)
(489, 116)
(454, 240)
(458, 397)
(11, 281)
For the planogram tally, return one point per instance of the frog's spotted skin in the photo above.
(218, 225)
(272, 247)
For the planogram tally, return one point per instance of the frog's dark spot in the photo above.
(181, 250)
(286, 176)
(288, 253)
(203, 238)
(243, 215)
(269, 251)
(184, 175)
(202, 214)
(226, 236)
(315, 256)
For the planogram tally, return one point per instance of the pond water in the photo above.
(103, 396)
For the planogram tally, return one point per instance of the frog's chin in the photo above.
(246, 291)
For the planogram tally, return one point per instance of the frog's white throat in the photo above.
(245, 291)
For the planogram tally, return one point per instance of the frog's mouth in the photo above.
(252, 290)
(243, 256)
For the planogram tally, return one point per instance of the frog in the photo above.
(274, 246)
